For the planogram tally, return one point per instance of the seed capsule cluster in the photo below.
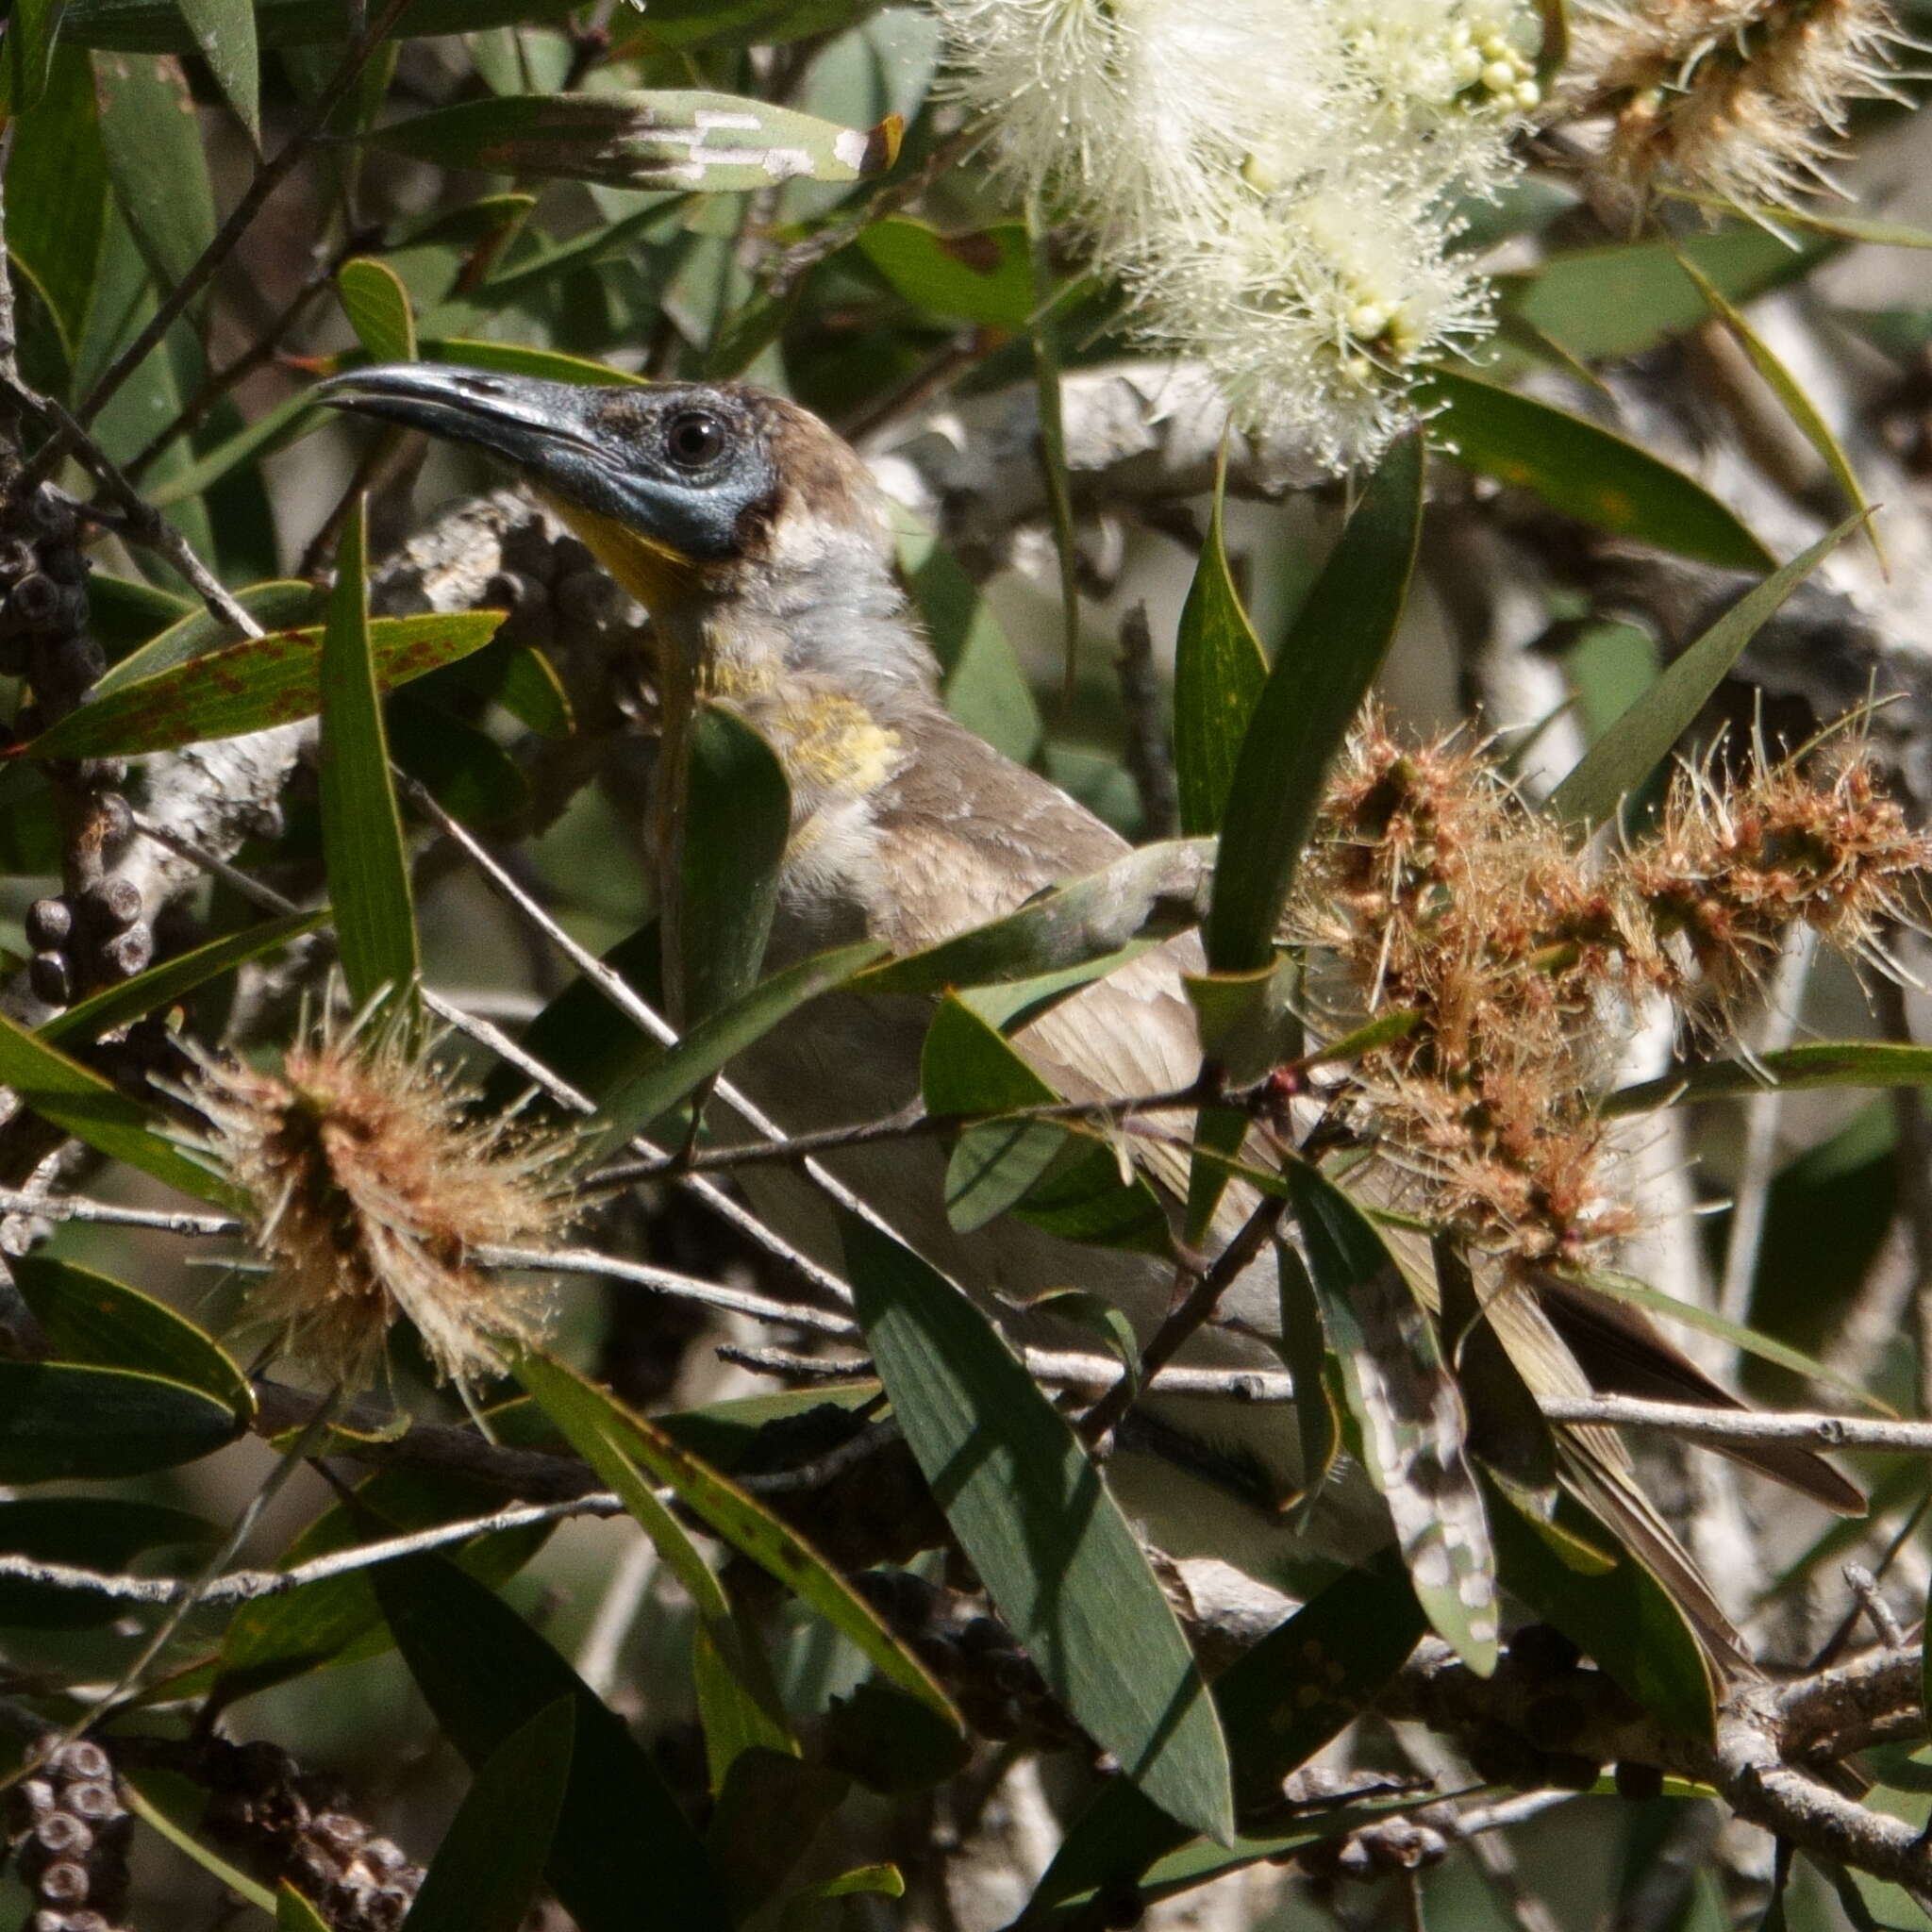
(93, 933)
(69, 1832)
(287, 1824)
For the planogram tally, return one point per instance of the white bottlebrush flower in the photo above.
(1271, 181)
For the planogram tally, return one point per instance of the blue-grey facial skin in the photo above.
(633, 454)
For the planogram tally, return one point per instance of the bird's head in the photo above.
(754, 537)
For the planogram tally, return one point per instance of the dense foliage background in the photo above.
(209, 205)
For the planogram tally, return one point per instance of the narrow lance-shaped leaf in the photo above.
(78, 1100)
(739, 1706)
(718, 142)
(486, 1673)
(362, 829)
(156, 159)
(1157, 889)
(737, 820)
(1639, 740)
(1587, 472)
(57, 189)
(90, 1317)
(224, 30)
(68, 1421)
(1280, 1702)
(740, 1520)
(1319, 680)
(486, 1871)
(160, 986)
(1790, 393)
(1050, 1543)
(1218, 675)
(251, 685)
(1405, 1400)
(1786, 1070)
(294, 1913)
(631, 1104)
(279, 605)
(1054, 1178)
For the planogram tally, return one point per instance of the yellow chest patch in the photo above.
(829, 743)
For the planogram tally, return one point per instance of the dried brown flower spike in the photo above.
(1743, 100)
(370, 1188)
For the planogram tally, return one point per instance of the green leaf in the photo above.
(95, 1532)
(157, 26)
(1623, 299)
(378, 306)
(720, 143)
(33, 28)
(524, 681)
(967, 1067)
(92, 1318)
(251, 685)
(82, 1103)
(460, 765)
(1622, 1616)
(62, 1422)
(1219, 671)
(736, 823)
(1036, 1521)
(1790, 393)
(362, 844)
(293, 1913)
(158, 1819)
(1302, 1346)
(150, 25)
(225, 32)
(745, 1524)
(287, 422)
(1155, 889)
(1587, 472)
(521, 359)
(1405, 1402)
(1749, 1341)
(486, 1673)
(983, 278)
(154, 160)
(274, 606)
(1280, 1702)
(160, 986)
(1639, 741)
(337, 1620)
(1318, 683)
(739, 1706)
(631, 1104)
(57, 192)
(486, 1871)
(1790, 1069)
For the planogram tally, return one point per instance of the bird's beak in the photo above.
(556, 437)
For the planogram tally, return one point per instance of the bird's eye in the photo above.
(695, 440)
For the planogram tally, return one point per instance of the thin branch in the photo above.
(909, 1122)
(79, 1208)
(625, 997)
(1741, 1425)
(264, 897)
(1189, 1317)
(666, 1281)
(144, 524)
(248, 1586)
(268, 177)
